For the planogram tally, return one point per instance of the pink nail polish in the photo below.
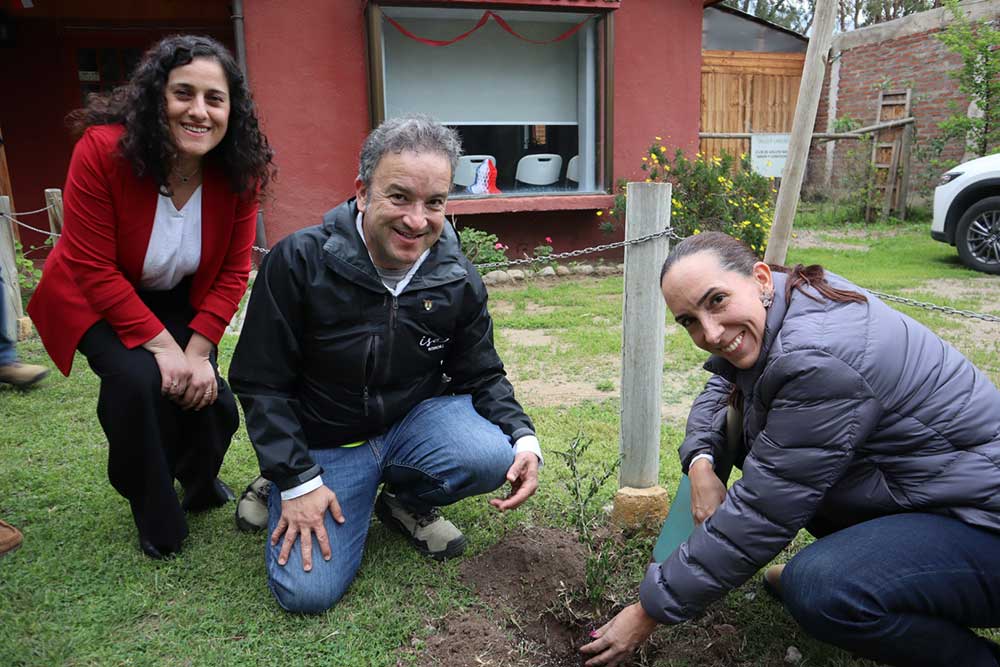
(593, 634)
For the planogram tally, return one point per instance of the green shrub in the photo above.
(719, 193)
(482, 247)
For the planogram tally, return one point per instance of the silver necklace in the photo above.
(185, 179)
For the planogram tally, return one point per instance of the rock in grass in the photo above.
(547, 272)
(605, 270)
(562, 270)
(793, 656)
(583, 269)
(516, 274)
(496, 278)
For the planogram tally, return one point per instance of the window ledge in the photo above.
(553, 202)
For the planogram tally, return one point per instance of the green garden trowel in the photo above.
(679, 523)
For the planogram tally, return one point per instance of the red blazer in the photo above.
(93, 271)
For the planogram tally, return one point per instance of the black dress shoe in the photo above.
(216, 495)
(155, 552)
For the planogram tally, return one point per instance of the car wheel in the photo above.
(978, 236)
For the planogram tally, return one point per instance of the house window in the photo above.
(524, 89)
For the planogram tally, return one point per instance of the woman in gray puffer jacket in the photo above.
(860, 425)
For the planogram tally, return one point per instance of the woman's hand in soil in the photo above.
(620, 637)
(707, 490)
(301, 518)
(523, 478)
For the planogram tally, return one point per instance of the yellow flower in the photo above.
(697, 231)
(743, 156)
(649, 180)
(663, 149)
(721, 179)
(645, 159)
(659, 138)
(666, 167)
(600, 213)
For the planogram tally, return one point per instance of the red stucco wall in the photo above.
(307, 62)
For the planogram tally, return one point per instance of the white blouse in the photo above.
(174, 250)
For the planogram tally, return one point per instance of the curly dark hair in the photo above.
(140, 105)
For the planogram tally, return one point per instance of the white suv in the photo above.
(967, 212)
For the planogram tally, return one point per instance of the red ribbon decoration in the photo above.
(484, 19)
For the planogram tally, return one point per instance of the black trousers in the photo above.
(151, 439)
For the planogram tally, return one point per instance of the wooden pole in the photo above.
(11, 297)
(640, 501)
(802, 127)
(53, 199)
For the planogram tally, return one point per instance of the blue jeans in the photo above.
(902, 590)
(441, 452)
(8, 354)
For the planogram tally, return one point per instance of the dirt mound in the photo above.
(533, 613)
(530, 578)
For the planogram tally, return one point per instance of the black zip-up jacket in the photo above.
(328, 356)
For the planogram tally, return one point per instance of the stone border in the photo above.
(510, 276)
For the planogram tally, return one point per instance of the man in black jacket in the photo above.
(367, 357)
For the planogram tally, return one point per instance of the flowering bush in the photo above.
(482, 247)
(543, 250)
(720, 193)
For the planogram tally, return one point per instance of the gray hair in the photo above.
(418, 133)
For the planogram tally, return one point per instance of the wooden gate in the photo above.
(744, 91)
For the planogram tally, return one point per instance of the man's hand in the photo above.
(523, 478)
(302, 517)
(622, 635)
(707, 491)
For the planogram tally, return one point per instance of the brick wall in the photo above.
(918, 61)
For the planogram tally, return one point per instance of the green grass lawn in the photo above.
(79, 592)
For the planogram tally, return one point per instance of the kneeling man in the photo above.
(367, 358)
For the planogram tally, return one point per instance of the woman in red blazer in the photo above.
(160, 210)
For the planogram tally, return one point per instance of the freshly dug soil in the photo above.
(533, 613)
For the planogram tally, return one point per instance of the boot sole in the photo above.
(453, 549)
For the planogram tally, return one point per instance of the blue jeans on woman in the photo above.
(902, 590)
(441, 452)
(8, 354)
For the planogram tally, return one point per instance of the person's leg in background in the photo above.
(13, 371)
(902, 590)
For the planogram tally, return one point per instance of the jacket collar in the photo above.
(345, 253)
(745, 379)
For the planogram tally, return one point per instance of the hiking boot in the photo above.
(251, 510)
(10, 538)
(429, 532)
(21, 375)
(772, 581)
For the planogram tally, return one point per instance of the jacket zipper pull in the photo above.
(392, 316)
(364, 398)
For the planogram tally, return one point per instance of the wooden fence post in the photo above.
(640, 500)
(10, 300)
(53, 199)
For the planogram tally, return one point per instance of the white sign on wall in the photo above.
(768, 153)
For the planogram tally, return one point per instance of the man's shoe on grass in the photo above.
(10, 538)
(430, 533)
(21, 375)
(251, 510)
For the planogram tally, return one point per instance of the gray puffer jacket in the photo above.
(853, 411)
